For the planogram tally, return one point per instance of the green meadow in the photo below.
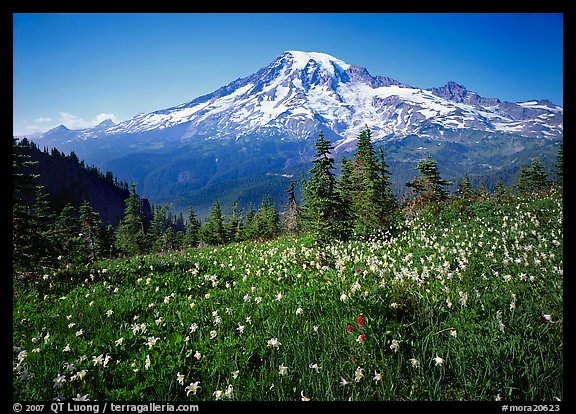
(462, 304)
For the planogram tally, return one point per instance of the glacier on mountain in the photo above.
(301, 92)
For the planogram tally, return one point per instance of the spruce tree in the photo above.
(500, 190)
(66, 232)
(32, 245)
(131, 235)
(212, 231)
(537, 177)
(321, 204)
(366, 185)
(523, 185)
(234, 224)
(291, 217)
(271, 218)
(483, 193)
(249, 223)
(465, 188)
(191, 237)
(559, 167)
(346, 189)
(366, 196)
(159, 224)
(388, 204)
(107, 245)
(429, 186)
(90, 224)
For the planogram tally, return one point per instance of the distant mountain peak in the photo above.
(455, 92)
(301, 59)
(60, 128)
(105, 124)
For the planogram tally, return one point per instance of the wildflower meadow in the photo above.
(465, 304)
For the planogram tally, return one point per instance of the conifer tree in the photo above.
(191, 237)
(389, 205)
(106, 237)
(559, 167)
(365, 185)
(532, 178)
(366, 195)
(234, 224)
(523, 185)
(346, 184)
(66, 232)
(90, 224)
(346, 188)
(212, 231)
(131, 235)
(465, 188)
(270, 217)
(250, 232)
(158, 227)
(537, 177)
(291, 217)
(482, 190)
(31, 241)
(321, 206)
(500, 190)
(428, 187)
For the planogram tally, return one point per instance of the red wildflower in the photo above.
(361, 320)
(349, 328)
(361, 338)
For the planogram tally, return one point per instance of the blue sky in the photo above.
(79, 69)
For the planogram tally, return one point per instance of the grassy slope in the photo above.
(471, 288)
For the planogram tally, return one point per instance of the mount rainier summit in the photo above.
(253, 133)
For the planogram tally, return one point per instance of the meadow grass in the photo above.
(462, 305)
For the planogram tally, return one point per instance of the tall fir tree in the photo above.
(90, 224)
(537, 178)
(429, 186)
(66, 230)
(250, 231)
(366, 195)
(234, 224)
(465, 188)
(370, 187)
(389, 204)
(271, 218)
(131, 235)
(191, 237)
(32, 244)
(500, 190)
(523, 184)
(321, 206)
(291, 216)
(559, 166)
(213, 231)
(157, 232)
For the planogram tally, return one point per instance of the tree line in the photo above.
(355, 202)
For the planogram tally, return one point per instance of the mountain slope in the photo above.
(68, 181)
(266, 123)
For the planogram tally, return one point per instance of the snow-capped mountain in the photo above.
(302, 91)
(267, 122)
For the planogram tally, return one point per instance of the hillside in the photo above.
(465, 305)
(68, 180)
